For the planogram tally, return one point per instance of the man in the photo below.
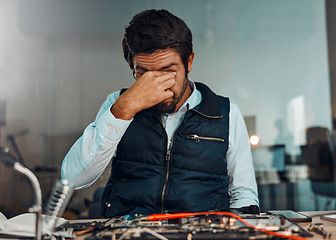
(176, 146)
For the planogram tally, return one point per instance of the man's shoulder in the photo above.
(234, 106)
(235, 110)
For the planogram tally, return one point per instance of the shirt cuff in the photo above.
(112, 128)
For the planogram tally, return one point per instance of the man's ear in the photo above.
(190, 61)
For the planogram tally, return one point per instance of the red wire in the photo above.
(183, 215)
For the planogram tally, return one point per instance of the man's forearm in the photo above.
(89, 156)
(243, 188)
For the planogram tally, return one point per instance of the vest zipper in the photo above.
(166, 180)
(199, 138)
(169, 152)
(167, 158)
(207, 116)
(169, 146)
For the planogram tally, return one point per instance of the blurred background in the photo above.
(59, 59)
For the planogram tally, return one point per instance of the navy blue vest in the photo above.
(146, 178)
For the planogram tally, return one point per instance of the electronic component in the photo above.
(329, 217)
(319, 229)
(204, 225)
(291, 215)
(58, 201)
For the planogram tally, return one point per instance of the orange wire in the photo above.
(182, 215)
(84, 231)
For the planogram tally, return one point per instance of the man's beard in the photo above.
(170, 107)
(163, 107)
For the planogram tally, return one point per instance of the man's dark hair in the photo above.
(153, 30)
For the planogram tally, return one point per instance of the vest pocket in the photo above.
(199, 138)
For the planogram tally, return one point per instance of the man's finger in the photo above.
(169, 83)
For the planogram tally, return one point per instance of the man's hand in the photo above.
(148, 90)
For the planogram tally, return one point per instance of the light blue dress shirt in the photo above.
(92, 152)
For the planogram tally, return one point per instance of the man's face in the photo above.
(164, 61)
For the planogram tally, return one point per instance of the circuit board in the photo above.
(198, 226)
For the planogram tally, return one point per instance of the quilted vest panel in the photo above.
(146, 178)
